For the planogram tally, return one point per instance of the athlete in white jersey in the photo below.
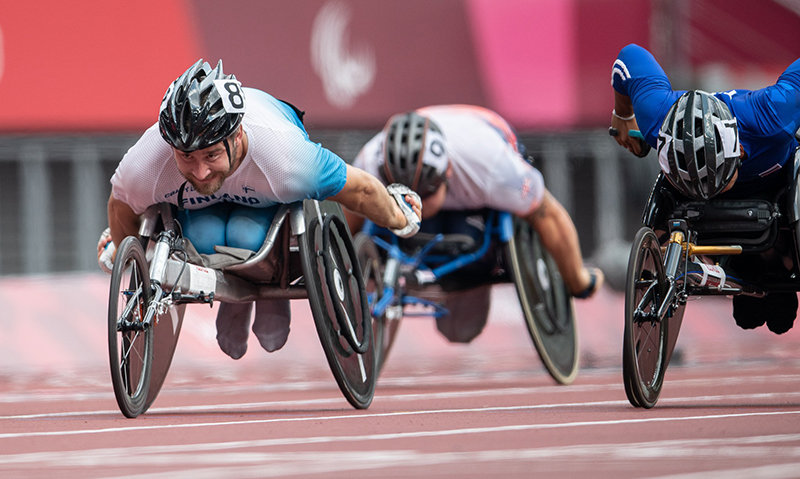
(225, 155)
(463, 157)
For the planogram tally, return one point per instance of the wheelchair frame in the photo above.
(318, 262)
(662, 277)
(545, 301)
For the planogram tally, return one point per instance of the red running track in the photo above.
(730, 408)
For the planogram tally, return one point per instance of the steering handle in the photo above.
(644, 148)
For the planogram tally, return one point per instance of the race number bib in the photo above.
(729, 133)
(435, 154)
(232, 95)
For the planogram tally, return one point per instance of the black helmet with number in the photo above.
(698, 145)
(194, 114)
(414, 153)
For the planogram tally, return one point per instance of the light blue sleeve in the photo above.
(297, 167)
(311, 171)
(331, 174)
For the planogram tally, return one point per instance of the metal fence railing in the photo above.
(54, 190)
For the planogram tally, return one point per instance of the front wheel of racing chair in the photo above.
(385, 327)
(646, 336)
(546, 303)
(130, 339)
(338, 300)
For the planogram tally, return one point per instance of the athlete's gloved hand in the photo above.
(105, 251)
(399, 193)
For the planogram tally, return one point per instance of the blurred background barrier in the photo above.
(80, 84)
(54, 192)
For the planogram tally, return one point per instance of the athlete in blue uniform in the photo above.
(756, 126)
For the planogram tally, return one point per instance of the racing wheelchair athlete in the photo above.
(488, 219)
(722, 218)
(226, 199)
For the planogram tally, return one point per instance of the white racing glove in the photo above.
(104, 259)
(399, 192)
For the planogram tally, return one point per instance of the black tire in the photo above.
(130, 344)
(355, 373)
(645, 337)
(546, 303)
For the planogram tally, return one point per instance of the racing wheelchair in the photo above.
(732, 247)
(409, 277)
(308, 253)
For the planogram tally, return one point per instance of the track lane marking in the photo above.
(447, 380)
(219, 454)
(517, 427)
(555, 389)
(401, 398)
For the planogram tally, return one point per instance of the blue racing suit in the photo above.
(767, 118)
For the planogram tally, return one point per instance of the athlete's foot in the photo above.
(233, 322)
(593, 281)
(271, 323)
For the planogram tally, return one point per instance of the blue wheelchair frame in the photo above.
(429, 268)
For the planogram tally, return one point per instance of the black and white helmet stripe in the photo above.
(202, 107)
(698, 145)
(414, 153)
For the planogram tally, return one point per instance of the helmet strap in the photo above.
(228, 150)
(180, 196)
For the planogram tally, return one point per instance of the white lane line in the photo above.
(209, 455)
(520, 427)
(441, 381)
(504, 392)
(302, 402)
(775, 471)
(316, 466)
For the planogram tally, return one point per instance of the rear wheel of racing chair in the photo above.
(546, 303)
(338, 299)
(644, 358)
(384, 330)
(130, 341)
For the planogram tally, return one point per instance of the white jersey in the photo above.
(281, 166)
(488, 171)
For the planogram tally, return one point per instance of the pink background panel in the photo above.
(90, 64)
(525, 53)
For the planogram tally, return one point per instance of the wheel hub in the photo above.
(544, 278)
(337, 280)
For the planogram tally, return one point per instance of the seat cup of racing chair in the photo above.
(475, 249)
(237, 275)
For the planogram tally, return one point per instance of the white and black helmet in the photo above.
(698, 145)
(202, 107)
(414, 153)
